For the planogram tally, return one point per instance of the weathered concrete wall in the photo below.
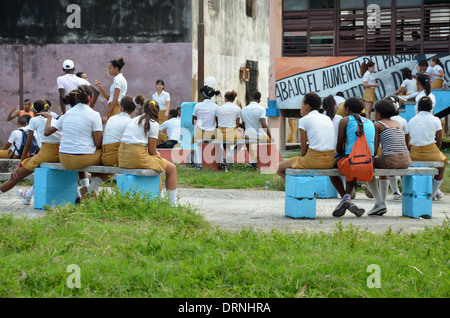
(232, 38)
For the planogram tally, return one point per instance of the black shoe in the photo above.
(342, 207)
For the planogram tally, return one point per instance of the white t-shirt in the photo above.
(402, 121)
(251, 116)
(436, 70)
(134, 133)
(37, 125)
(162, 99)
(115, 127)
(77, 127)
(319, 131)
(70, 82)
(410, 85)
(422, 94)
(369, 78)
(339, 100)
(423, 128)
(206, 115)
(336, 120)
(15, 139)
(173, 127)
(227, 115)
(121, 83)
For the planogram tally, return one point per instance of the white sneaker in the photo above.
(378, 209)
(396, 196)
(25, 200)
(439, 195)
(367, 191)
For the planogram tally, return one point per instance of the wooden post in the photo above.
(201, 49)
(21, 98)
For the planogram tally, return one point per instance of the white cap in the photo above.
(68, 65)
(211, 82)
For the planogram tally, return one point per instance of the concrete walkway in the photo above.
(264, 210)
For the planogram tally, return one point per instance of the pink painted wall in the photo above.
(144, 64)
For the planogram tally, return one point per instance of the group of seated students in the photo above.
(77, 140)
(393, 142)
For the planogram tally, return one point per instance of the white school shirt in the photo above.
(369, 78)
(37, 125)
(251, 116)
(161, 99)
(115, 127)
(436, 70)
(206, 115)
(422, 94)
(402, 121)
(15, 139)
(336, 120)
(410, 85)
(70, 82)
(134, 132)
(121, 83)
(77, 127)
(227, 115)
(423, 128)
(173, 127)
(319, 131)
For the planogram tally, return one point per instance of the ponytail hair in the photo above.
(407, 74)
(365, 66)
(209, 92)
(231, 96)
(84, 92)
(436, 60)
(119, 63)
(425, 104)
(329, 106)
(424, 80)
(149, 112)
(40, 106)
(71, 98)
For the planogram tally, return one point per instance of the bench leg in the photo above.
(138, 184)
(416, 196)
(324, 188)
(54, 187)
(300, 202)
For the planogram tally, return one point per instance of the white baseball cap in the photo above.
(68, 65)
(211, 82)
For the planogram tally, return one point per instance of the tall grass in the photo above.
(129, 246)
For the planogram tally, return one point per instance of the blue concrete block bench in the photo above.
(54, 185)
(301, 194)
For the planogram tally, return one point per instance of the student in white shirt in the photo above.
(426, 140)
(81, 142)
(318, 130)
(49, 151)
(172, 129)
(408, 86)
(437, 74)
(112, 135)
(340, 101)
(204, 120)
(369, 82)
(117, 91)
(163, 99)
(330, 109)
(11, 148)
(70, 82)
(138, 148)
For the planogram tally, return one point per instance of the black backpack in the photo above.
(34, 145)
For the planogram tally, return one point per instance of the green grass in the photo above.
(126, 246)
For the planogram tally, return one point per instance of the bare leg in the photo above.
(286, 164)
(18, 175)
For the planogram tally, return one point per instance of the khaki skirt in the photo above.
(8, 154)
(369, 95)
(340, 110)
(78, 162)
(200, 134)
(428, 153)
(133, 156)
(162, 118)
(314, 160)
(228, 134)
(437, 83)
(115, 111)
(48, 153)
(110, 155)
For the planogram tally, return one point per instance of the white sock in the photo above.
(96, 182)
(230, 155)
(344, 182)
(373, 187)
(29, 193)
(84, 182)
(199, 154)
(172, 194)
(435, 186)
(1, 192)
(393, 182)
(384, 186)
(221, 153)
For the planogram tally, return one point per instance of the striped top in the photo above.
(392, 140)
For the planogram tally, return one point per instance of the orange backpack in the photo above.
(358, 166)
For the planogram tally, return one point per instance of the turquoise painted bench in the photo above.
(301, 194)
(54, 185)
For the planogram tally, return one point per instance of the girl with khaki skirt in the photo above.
(138, 148)
(369, 82)
(426, 140)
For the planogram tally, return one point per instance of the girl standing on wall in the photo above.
(163, 99)
(437, 74)
(118, 89)
(408, 86)
(369, 82)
